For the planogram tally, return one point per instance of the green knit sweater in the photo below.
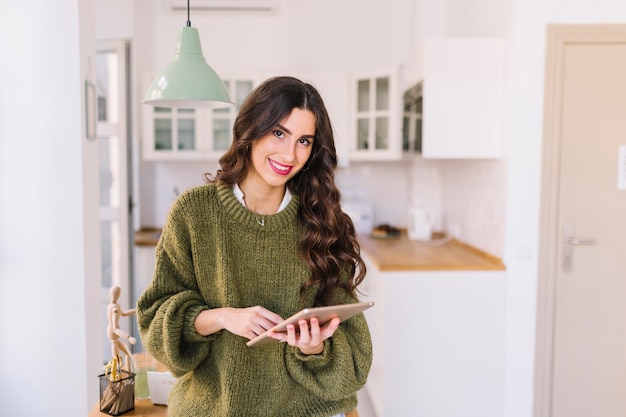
(213, 253)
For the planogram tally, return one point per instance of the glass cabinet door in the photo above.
(363, 111)
(174, 129)
(224, 118)
(373, 117)
(163, 128)
(382, 113)
(193, 134)
(186, 129)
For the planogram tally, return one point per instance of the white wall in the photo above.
(305, 36)
(49, 230)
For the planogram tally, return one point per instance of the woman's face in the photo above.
(281, 154)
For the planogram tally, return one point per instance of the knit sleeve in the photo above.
(166, 311)
(342, 367)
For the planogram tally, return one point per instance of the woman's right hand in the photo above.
(246, 322)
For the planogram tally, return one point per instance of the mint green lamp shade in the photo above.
(188, 81)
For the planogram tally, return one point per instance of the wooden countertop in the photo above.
(402, 254)
(147, 236)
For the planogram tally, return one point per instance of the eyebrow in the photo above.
(289, 132)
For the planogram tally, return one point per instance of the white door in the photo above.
(587, 129)
(114, 167)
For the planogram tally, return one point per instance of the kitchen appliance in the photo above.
(420, 224)
(362, 214)
(160, 385)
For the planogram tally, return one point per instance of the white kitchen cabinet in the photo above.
(438, 339)
(192, 134)
(376, 117)
(463, 89)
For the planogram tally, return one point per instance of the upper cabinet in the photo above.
(376, 114)
(463, 88)
(192, 134)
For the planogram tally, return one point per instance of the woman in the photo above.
(263, 239)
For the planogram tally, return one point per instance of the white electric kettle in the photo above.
(420, 224)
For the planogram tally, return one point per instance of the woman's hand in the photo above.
(246, 322)
(309, 337)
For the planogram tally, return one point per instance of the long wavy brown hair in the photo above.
(329, 246)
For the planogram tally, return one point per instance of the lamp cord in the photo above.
(188, 20)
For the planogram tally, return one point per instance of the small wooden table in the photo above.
(143, 408)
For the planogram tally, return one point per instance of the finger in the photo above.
(291, 335)
(315, 331)
(328, 330)
(265, 324)
(305, 336)
(257, 329)
(259, 325)
(272, 317)
(261, 313)
(334, 323)
(281, 337)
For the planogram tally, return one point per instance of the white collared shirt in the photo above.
(283, 204)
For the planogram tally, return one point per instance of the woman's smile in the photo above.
(280, 169)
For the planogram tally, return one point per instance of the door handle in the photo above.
(580, 241)
(569, 243)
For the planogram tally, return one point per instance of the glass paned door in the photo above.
(373, 114)
(114, 169)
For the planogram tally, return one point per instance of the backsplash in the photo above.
(474, 200)
(467, 197)
(160, 182)
(384, 184)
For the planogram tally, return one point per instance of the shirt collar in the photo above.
(283, 204)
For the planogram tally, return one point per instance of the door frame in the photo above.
(558, 37)
(123, 129)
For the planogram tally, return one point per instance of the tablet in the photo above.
(323, 314)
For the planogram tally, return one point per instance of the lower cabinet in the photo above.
(438, 341)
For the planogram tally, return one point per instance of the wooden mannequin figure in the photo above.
(114, 333)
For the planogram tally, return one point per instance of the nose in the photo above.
(288, 151)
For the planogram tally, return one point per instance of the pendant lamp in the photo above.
(188, 81)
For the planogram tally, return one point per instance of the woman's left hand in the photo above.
(309, 337)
